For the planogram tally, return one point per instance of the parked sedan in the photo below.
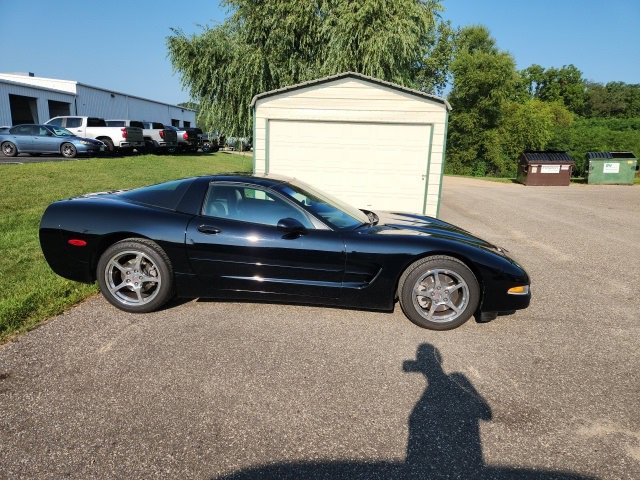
(38, 139)
(276, 239)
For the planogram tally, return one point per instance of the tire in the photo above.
(68, 150)
(206, 147)
(135, 275)
(9, 149)
(438, 293)
(149, 146)
(108, 143)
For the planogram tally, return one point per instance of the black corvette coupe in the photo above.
(276, 239)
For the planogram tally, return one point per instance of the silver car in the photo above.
(38, 139)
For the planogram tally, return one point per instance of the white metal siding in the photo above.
(349, 102)
(43, 97)
(98, 102)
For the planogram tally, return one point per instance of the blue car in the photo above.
(38, 139)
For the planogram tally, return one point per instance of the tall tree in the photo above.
(563, 84)
(484, 79)
(265, 45)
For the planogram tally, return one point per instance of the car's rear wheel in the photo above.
(68, 150)
(135, 275)
(108, 144)
(9, 149)
(438, 292)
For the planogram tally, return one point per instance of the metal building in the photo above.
(374, 144)
(25, 98)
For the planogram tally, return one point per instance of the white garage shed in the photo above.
(371, 143)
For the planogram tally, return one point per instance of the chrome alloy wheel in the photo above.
(440, 295)
(132, 278)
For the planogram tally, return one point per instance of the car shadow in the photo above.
(444, 438)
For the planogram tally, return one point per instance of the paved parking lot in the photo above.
(231, 390)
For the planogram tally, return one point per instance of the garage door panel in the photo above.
(370, 165)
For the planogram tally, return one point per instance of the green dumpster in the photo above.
(611, 168)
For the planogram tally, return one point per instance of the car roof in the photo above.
(265, 180)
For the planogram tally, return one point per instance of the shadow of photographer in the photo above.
(444, 438)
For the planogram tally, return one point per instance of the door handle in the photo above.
(208, 229)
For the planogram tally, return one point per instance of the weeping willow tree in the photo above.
(268, 44)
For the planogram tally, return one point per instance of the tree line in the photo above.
(497, 110)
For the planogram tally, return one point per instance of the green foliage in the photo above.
(615, 99)
(564, 85)
(597, 135)
(485, 81)
(29, 290)
(528, 126)
(267, 45)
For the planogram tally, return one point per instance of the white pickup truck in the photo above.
(158, 137)
(124, 139)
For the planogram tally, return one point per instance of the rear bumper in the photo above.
(131, 144)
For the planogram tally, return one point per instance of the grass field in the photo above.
(29, 290)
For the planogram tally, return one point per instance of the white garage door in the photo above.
(369, 165)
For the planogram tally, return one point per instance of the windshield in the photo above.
(333, 211)
(61, 132)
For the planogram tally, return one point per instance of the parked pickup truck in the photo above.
(158, 137)
(124, 139)
(189, 139)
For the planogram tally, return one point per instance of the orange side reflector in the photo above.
(76, 242)
(522, 290)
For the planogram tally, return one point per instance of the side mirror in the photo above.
(291, 226)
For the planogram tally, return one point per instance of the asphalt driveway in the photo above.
(233, 390)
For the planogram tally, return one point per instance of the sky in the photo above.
(120, 45)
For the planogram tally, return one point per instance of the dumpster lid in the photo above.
(555, 156)
(610, 155)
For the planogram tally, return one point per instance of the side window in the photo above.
(73, 122)
(56, 121)
(249, 204)
(43, 132)
(22, 130)
(96, 122)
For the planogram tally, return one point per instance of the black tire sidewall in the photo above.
(108, 143)
(416, 270)
(159, 258)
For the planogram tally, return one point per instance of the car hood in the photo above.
(390, 223)
(90, 140)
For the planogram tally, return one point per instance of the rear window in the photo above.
(135, 123)
(163, 195)
(115, 123)
(157, 125)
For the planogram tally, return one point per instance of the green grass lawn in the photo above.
(29, 290)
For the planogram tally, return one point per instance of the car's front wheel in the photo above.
(135, 275)
(9, 149)
(68, 150)
(438, 292)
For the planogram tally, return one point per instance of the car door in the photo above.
(235, 245)
(23, 137)
(44, 141)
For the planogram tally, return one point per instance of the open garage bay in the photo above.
(230, 390)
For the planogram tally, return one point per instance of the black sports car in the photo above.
(272, 238)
